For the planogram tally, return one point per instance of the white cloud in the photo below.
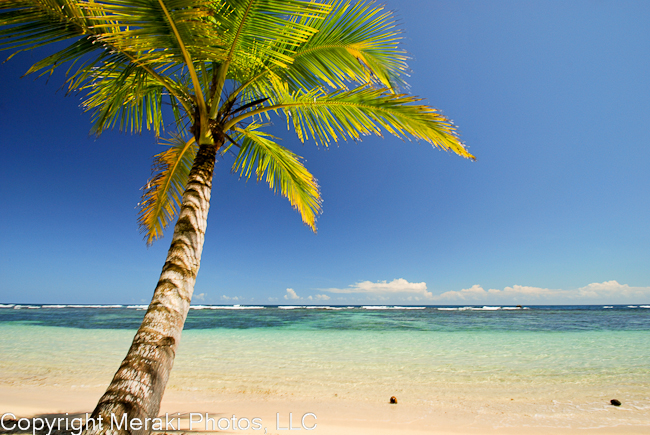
(612, 289)
(319, 298)
(608, 292)
(383, 290)
(228, 298)
(199, 297)
(291, 294)
(402, 291)
(477, 293)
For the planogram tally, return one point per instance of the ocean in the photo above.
(557, 365)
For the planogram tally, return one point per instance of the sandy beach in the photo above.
(332, 416)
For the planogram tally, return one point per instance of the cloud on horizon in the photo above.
(228, 298)
(384, 290)
(608, 292)
(291, 295)
(403, 291)
(319, 298)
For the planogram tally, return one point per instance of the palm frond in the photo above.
(127, 96)
(282, 169)
(262, 33)
(328, 117)
(109, 35)
(28, 24)
(161, 197)
(271, 29)
(159, 31)
(356, 43)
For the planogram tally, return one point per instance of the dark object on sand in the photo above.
(393, 400)
(615, 402)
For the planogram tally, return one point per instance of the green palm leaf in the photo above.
(161, 197)
(30, 24)
(34, 23)
(270, 29)
(260, 33)
(355, 43)
(126, 96)
(282, 169)
(121, 34)
(328, 117)
(158, 31)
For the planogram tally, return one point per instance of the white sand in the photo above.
(333, 415)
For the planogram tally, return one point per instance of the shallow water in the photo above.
(557, 365)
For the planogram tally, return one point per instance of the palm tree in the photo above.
(332, 68)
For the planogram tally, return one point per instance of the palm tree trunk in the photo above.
(138, 386)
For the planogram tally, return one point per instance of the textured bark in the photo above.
(138, 386)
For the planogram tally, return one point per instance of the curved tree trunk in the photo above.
(138, 386)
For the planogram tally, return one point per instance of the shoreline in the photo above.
(331, 415)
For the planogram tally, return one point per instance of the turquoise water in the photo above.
(368, 318)
(565, 363)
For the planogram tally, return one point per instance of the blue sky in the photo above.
(552, 98)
